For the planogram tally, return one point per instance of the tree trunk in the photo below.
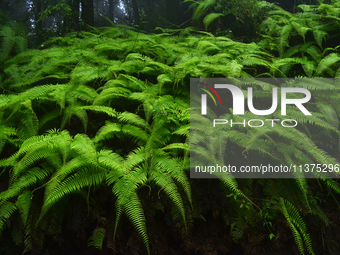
(172, 10)
(111, 5)
(135, 11)
(87, 12)
(74, 4)
(37, 10)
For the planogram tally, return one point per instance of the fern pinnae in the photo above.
(179, 175)
(327, 62)
(97, 238)
(109, 93)
(28, 160)
(84, 178)
(113, 163)
(109, 130)
(127, 200)
(133, 119)
(27, 180)
(136, 157)
(6, 211)
(296, 223)
(23, 204)
(166, 183)
(139, 134)
(61, 173)
(303, 186)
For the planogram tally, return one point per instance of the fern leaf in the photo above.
(319, 36)
(132, 119)
(99, 108)
(84, 178)
(296, 224)
(97, 238)
(327, 62)
(23, 204)
(108, 131)
(210, 18)
(128, 200)
(283, 41)
(166, 183)
(201, 7)
(6, 211)
(300, 29)
(7, 41)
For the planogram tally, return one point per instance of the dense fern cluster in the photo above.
(240, 18)
(306, 41)
(104, 116)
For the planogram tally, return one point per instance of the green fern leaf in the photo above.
(6, 211)
(327, 62)
(210, 18)
(97, 238)
(23, 204)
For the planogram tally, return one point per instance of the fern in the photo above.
(13, 39)
(131, 100)
(6, 212)
(326, 62)
(297, 226)
(210, 18)
(97, 238)
(23, 204)
(128, 201)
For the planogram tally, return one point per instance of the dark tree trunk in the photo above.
(87, 12)
(111, 5)
(172, 10)
(38, 31)
(74, 4)
(37, 10)
(135, 11)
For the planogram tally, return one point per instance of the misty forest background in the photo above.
(95, 126)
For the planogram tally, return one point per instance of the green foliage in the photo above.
(307, 38)
(230, 15)
(97, 238)
(60, 8)
(12, 38)
(297, 226)
(107, 114)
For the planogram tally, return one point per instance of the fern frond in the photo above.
(201, 7)
(110, 93)
(210, 18)
(23, 204)
(133, 119)
(99, 108)
(237, 228)
(129, 202)
(327, 62)
(297, 226)
(97, 238)
(166, 183)
(283, 40)
(109, 130)
(6, 211)
(84, 178)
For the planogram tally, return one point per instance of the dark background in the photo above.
(45, 19)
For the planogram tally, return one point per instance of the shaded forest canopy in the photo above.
(95, 127)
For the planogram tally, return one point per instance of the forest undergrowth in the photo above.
(95, 141)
